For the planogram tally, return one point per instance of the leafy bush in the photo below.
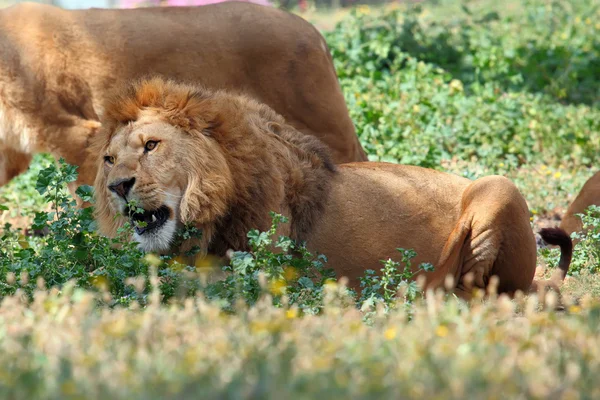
(292, 273)
(70, 248)
(587, 251)
(395, 281)
(422, 91)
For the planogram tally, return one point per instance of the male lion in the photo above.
(56, 67)
(188, 155)
(588, 196)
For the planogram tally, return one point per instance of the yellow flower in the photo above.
(290, 274)
(364, 9)
(100, 282)
(332, 283)
(557, 175)
(456, 86)
(322, 363)
(574, 309)
(263, 326)
(116, 328)
(441, 331)
(501, 165)
(68, 388)
(177, 264)
(534, 211)
(207, 261)
(291, 313)
(277, 287)
(152, 259)
(588, 21)
(416, 108)
(190, 358)
(390, 333)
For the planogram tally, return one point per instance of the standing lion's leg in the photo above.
(589, 195)
(12, 163)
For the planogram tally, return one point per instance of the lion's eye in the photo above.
(150, 145)
(109, 160)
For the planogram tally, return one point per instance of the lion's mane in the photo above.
(259, 163)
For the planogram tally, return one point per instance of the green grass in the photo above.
(471, 87)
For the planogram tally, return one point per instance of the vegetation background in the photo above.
(470, 87)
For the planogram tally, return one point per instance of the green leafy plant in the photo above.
(70, 248)
(586, 255)
(426, 89)
(397, 277)
(291, 271)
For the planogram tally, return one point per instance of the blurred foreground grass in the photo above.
(63, 347)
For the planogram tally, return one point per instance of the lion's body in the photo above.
(56, 67)
(222, 162)
(460, 226)
(588, 196)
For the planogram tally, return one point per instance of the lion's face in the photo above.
(163, 170)
(140, 169)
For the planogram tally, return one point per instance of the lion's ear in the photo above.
(199, 113)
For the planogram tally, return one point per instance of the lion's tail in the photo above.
(558, 237)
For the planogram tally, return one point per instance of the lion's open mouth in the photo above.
(149, 220)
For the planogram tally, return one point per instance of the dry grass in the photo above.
(498, 349)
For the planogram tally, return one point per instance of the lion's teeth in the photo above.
(153, 218)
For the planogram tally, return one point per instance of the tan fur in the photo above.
(588, 196)
(232, 160)
(57, 66)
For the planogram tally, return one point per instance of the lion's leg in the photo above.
(493, 237)
(589, 195)
(503, 213)
(12, 163)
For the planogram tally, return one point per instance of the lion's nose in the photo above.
(122, 186)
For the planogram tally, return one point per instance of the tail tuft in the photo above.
(558, 237)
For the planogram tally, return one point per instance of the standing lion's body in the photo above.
(56, 67)
(588, 196)
(221, 162)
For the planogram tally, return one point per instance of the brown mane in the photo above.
(269, 165)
